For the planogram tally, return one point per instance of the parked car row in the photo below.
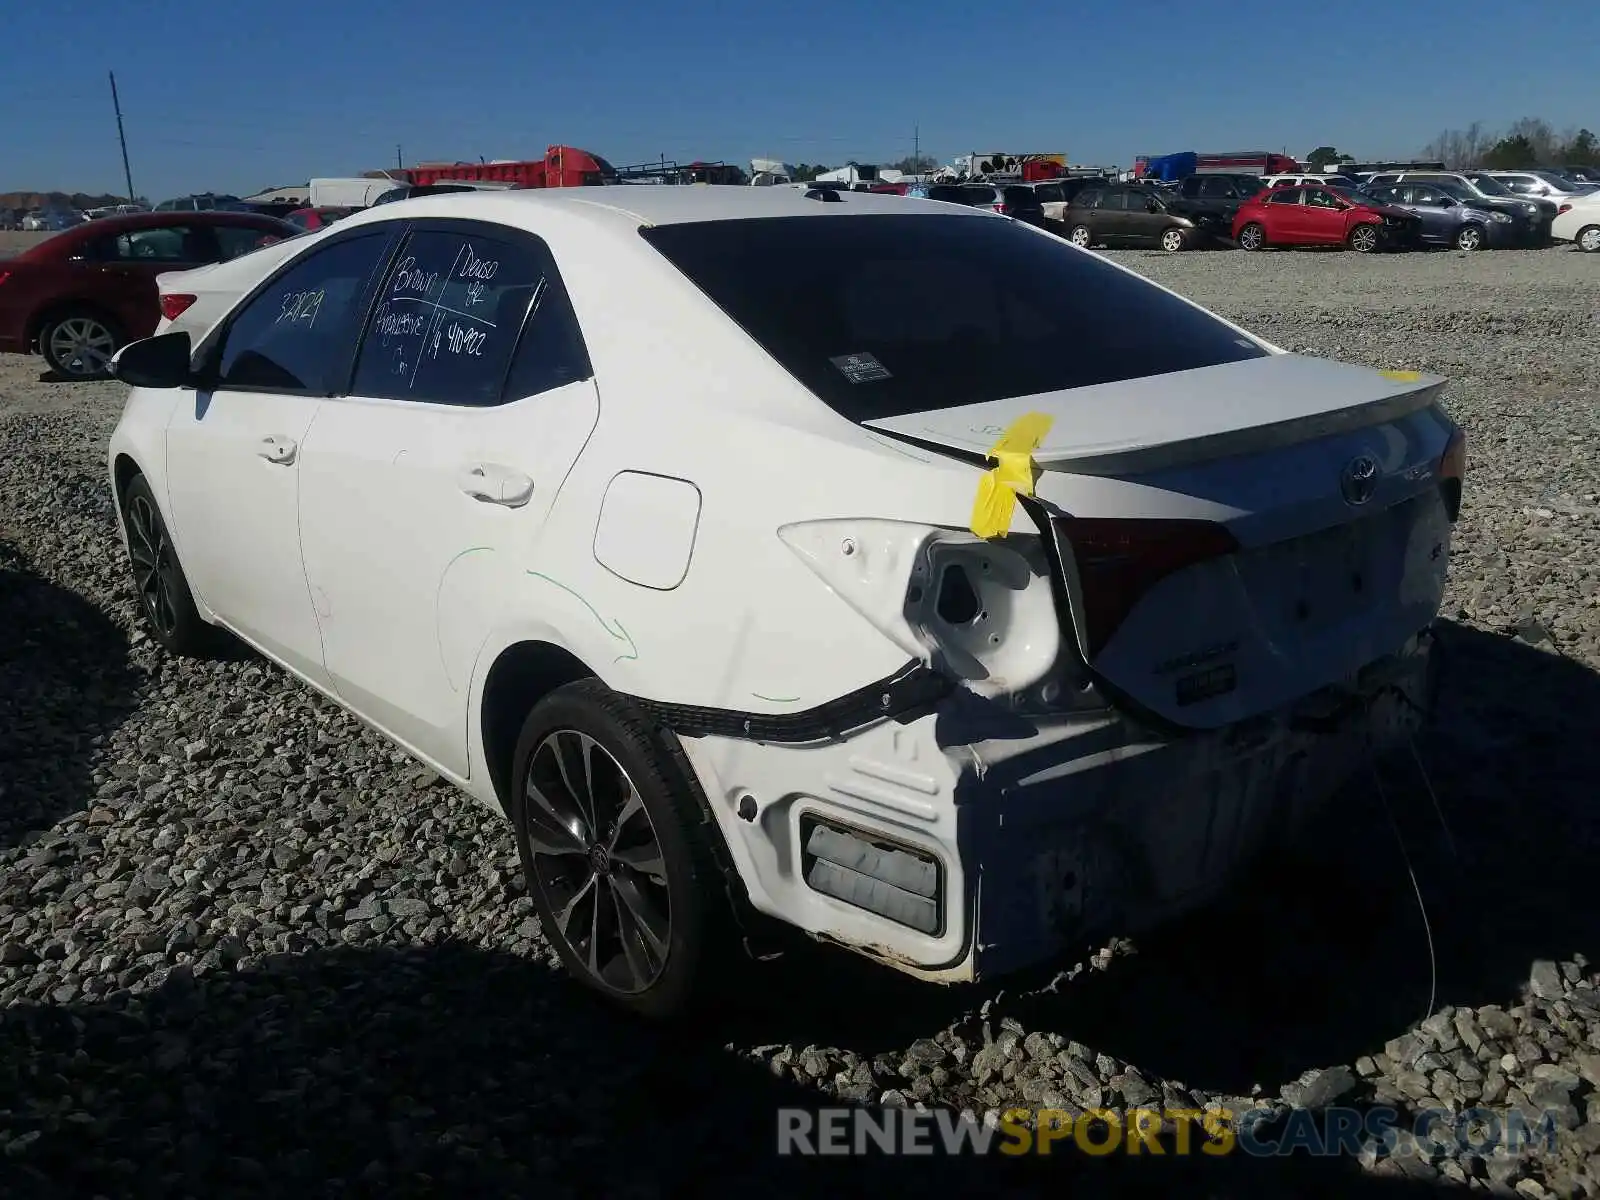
(1470, 211)
(80, 296)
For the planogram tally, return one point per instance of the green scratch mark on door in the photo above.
(619, 633)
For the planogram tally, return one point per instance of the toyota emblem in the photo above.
(1359, 479)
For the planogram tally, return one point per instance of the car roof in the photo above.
(630, 208)
(156, 220)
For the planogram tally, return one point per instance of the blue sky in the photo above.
(235, 97)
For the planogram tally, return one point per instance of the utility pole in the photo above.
(116, 104)
(399, 159)
(916, 141)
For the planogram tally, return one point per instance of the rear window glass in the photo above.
(892, 315)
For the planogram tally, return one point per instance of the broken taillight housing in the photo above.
(1118, 562)
(175, 305)
(980, 611)
(1453, 472)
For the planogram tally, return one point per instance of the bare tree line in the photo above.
(1528, 142)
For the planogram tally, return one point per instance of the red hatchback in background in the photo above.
(1324, 215)
(81, 296)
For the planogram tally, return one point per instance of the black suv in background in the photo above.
(1013, 199)
(1207, 198)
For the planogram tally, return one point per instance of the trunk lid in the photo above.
(1234, 538)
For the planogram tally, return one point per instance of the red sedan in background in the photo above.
(308, 219)
(84, 294)
(1323, 215)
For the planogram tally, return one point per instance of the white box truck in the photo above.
(348, 193)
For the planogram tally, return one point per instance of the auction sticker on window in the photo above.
(860, 368)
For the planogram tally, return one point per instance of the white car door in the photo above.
(419, 490)
(233, 453)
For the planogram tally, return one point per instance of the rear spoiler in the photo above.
(1135, 426)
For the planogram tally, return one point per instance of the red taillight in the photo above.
(1118, 562)
(999, 208)
(1453, 472)
(1565, 208)
(174, 306)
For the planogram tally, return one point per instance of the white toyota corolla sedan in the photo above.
(885, 567)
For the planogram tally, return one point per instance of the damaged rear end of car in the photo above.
(1211, 609)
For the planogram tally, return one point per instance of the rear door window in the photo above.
(891, 315)
(166, 244)
(1218, 189)
(1285, 196)
(449, 316)
(235, 240)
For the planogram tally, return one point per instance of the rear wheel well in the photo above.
(122, 472)
(523, 675)
(61, 308)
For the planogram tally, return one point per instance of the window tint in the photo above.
(1426, 195)
(297, 334)
(448, 317)
(864, 314)
(1220, 189)
(172, 243)
(1285, 196)
(1112, 201)
(1520, 184)
(1317, 198)
(1088, 198)
(234, 240)
(551, 352)
(1048, 193)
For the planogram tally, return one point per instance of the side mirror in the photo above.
(155, 362)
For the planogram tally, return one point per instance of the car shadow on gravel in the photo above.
(451, 1071)
(1319, 956)
(65, 683)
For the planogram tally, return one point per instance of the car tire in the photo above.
(1364, 238)
(79, 342)
(1174, 239)
(1588, 239)
(1471, 237)
(158, 579)
(1253, 237)
(649, 929)
(1080, 236)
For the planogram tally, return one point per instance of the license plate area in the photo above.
(1322, 579)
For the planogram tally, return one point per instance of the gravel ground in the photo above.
(247, 949)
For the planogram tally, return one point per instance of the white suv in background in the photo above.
(1542, 184)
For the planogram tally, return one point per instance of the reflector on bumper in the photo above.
(895, 882)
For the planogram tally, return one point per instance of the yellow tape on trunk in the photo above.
(1402, 376)
(1012, 475)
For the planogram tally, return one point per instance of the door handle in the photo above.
(277, 449)
(492, 483)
